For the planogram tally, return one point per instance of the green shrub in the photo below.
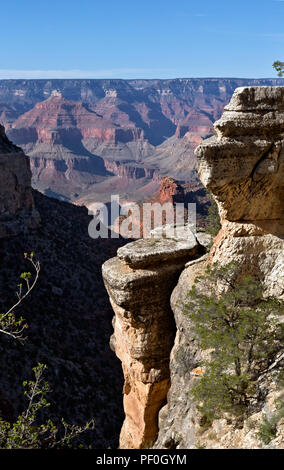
(26, 432)
(268, 427)
(267, 430)
(9, 324)
(242, 331)
(279, 67)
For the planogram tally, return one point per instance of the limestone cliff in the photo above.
(17, 211)
(243, 166)
(139, 281)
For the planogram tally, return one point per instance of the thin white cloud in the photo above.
(76, 73)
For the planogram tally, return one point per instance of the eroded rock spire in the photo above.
(243, 166)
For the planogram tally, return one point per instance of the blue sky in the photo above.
(140, 39)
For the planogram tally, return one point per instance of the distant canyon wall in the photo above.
(150, 124)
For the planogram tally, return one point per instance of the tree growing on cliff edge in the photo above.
(243, 337)
(279, 67)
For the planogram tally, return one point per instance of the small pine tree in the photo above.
(279, 67)
(242, 330)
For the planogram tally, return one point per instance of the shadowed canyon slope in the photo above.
(68, 314)
(89, 138)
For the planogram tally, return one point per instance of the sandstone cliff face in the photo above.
(17, 211)
(170, 191)
(139, 282)
(243, 166)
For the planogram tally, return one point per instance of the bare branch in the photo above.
(8, 323)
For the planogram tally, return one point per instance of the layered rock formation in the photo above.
(17, 212)
(170, 191)
(51, 134)
(71, 129)
(243, 166)
(67, 143)
(127, 171)
(58, 119)
(139, 282)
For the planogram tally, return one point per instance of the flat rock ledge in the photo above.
(150, 251)
(139, 282)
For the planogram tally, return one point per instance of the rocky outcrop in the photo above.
(243, 166)
(17, 212)
(133, 172)
(170, 191)
(181, 426)
(139, 282)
